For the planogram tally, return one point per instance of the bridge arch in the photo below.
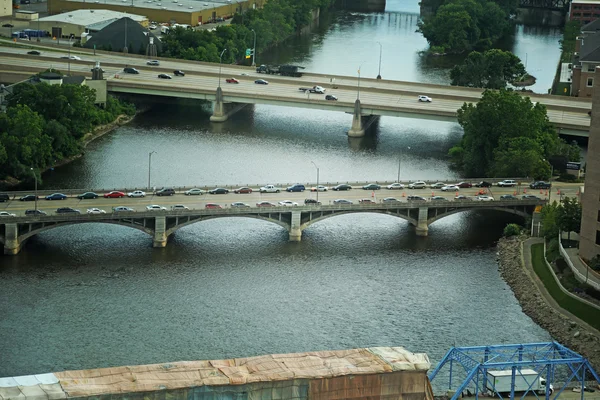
(208, 217)
(305, 225)
(459, 210)
(34, 232)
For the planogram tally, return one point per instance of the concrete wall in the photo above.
(589, 245)
(5, 8)
(100, 87)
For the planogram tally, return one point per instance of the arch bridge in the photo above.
(14, 232)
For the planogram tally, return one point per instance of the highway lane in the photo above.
(199, 202)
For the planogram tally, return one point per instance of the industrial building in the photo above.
(75, 23)
(189, 12)
(6, 8)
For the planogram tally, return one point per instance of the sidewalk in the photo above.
(573, 253)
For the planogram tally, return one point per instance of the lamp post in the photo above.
(313, 163)
(150, 166)
(358, 87)
(254, 49)
(380, 51)
(69, 63)
(220, 60)
(35, 190)
(400, 164)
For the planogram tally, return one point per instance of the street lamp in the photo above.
(220, 60)
(150, 166)
(400, 164)
(254, 49)
(380, 51)
(358, 88)
(36, 197)
(313, 163)
(69, 63)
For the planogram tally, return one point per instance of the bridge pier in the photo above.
(422, 227)
(221, 110)
(12, 245)
(160, 232)
(295, 229)
(357, 129)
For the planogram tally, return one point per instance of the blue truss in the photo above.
(541, 357)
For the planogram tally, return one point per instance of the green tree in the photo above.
(512, 230)
(549, 226)
(493, 69)
(568, 216)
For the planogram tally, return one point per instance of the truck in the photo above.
(500, 381)
(270, 189)
(283, 70)
(314, 89)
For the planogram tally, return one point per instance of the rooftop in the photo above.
(586, 2)
(90, 17)
(173, 5)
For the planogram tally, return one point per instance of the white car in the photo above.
(137, 193)
(395, 186)
(288, 203)
(438, 185)
(426, 99)
(193, 192)
(7, 214)
(152, 26)
(153, 62)
(179, 207)
(450, 188)
(95, 211)
(270, 189)
(507, 183)
(319, 188)
(71, 57)
(155, 207)
(417, 185)
(484, 198)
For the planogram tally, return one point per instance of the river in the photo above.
(98, 295)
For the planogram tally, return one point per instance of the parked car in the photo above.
(371, 186)
(155, 207)
(67, 210)
(114, 195)
(342, 186)
(239, 204)
(137, 193)
(508, 197)
(288, 203)
(464, 185)
(331, 97)
(165, 192)
(265, 204)
(33, 52)
(212, 206)
(218, 191)
(484, 198)
(153, 62)
(7, 25)
(390, 200)
(243, 190)
(130, 70)
(95, 211)
(269, 189)
(395, 186)
(194, 192)
(417, 185)
(507, 183)
(438, 198)
(261, 82)
(7, 214)
(178, 72)
(4, 197)
(529, 197)
(123, 209)
(483, 184)
(342, 201)
(311, 202)
(179, 207)
(56, 196)
(232, 80)
(437, 185)
(450, 188)
(296, 188)
(87, 195)
(28, 197)
(415, 198)
(319, 188)
(540, 185)
(426, 99)
(366, 201)
(35, 212)
(164, 76)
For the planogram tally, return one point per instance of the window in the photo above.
(590, 82)
(598, 237)
(591, 68)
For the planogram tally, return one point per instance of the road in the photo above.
(197, 202)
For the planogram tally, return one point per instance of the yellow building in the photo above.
(6, 8)
(189, 12)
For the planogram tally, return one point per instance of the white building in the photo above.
(75, 23)
(5, 8)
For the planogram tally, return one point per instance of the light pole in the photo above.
(254, 49)
(358, 88)
(313, 163)
(400, 164)
(150, 166)
(220, 60)
(380, 51)
(69, 63)
(35, 190)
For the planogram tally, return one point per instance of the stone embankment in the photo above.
(563, 329)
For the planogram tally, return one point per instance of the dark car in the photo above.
(87, 195)
(261, 82)
(296, 188)
(342, 201)
(67, 210)
(4, 197)
(529, 197)
(366, 201)
(265, 204)
(129, 70)
(371, 186)
(165, 192)
(164, 76)
(56, 196)
(179, 72)
(343, 186)
(464, 185)
(438, 198)
(218, 191)
(540, 185)
(243, 190)
(35, 212)
(8, 26)
(415, 198)
(311, 201)
(508, 197)
(483, 184)
(28, 197)
(34, 53)
(331, 97)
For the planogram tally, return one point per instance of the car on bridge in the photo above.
(28, 197)
(529, 197)
(265, 204)
(218, 191)
(67, 210)
(319, 188)
(130, 70)
(450, 188)
(179, 207)
(342, 186)
(390, 200)
(415, 198)
(482, 197)
(366, 201)
(164, 76)
(194, 192)
(212, 206)
(56, 196)
(540, 185)
(115, 194)
(137, 193)
(87, 195)
(261, 82)
(72, 57)
(270, 189)
(438, 185)
(298, 187)
(35, 212)
(507, 183)
(426, 99)
(34, 53)
(483, 184)
(464, 185)
(288, 203)
(8, 25)
(7, 214)
(4, 197)
(232, 80)
(371, 186)
(95, 211)
(243, 190)
(153, 62)
(342, 201)
(239, 204)
(165, 192)
(438, 198)
(123, 209)
(155, 207)
(508, 197)
(461, 197)
(417, 185)
(395, 186)
(331, 97)
(178, 72)
(311, 202)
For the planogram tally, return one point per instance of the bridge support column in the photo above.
(221, 110)
(422, 227)
(295, 230)
(357, 129)
(12, 245)
(160, 232)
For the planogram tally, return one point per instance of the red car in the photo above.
(212, 205)
(232, 80)
(114, 195)
(464, 185)
(265, 204)
(243, 190)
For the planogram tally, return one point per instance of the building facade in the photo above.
(75, 23)
(6, 8)
(585, 11)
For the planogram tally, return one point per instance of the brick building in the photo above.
(585, 11)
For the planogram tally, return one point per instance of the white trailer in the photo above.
(500, 381)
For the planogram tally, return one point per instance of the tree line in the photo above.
(44, 124)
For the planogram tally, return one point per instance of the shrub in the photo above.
(512, 230)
